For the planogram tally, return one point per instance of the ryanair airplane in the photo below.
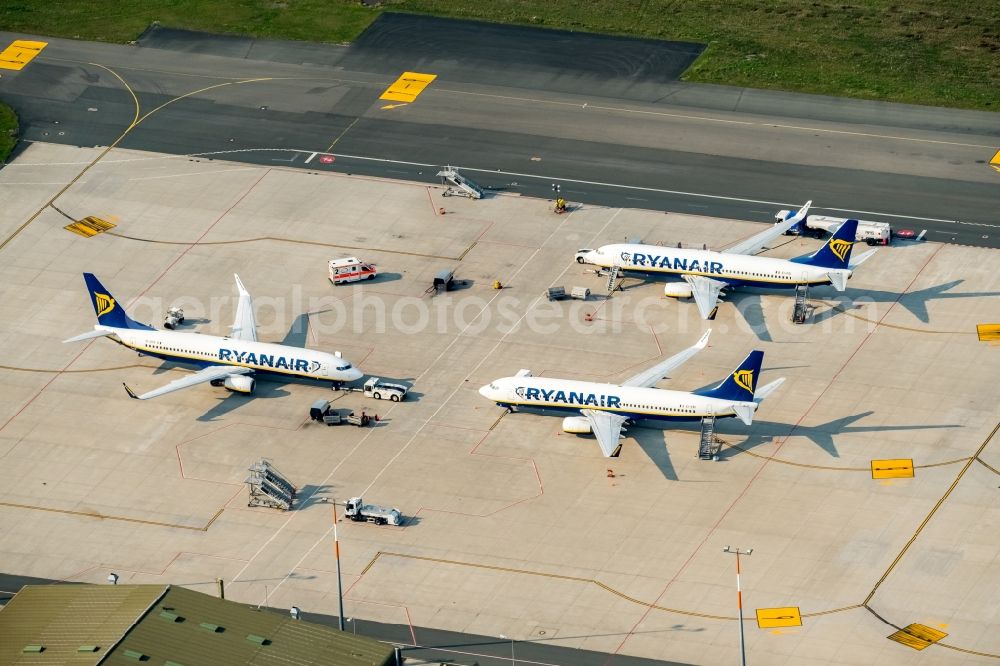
(707, 273)
(607, 408)
(232, 362)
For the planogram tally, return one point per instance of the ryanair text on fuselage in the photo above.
(268, 361)
(655, 261)
(568, 397)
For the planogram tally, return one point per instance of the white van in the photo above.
(350, 269)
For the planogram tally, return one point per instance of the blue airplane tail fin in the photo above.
(742, 383)
(109, 311)
(836, 253)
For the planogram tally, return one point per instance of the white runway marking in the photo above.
(549, 178)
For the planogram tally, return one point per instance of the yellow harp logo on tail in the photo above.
(105, 304)
(840, 248)
(744, 379)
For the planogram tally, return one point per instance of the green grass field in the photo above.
(8, 131)
(940, 52)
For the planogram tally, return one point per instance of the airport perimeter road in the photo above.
(599, 117)
(435, 646)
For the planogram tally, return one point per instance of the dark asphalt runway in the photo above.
(433, 645)
(501, 97)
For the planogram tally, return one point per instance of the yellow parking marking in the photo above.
(407, 87)
(917, 636)
(995, 162)
(89, 226)
(768, 618)
(988, 332)
(901, 468)
(20, 53)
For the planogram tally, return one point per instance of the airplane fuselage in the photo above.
(733, 269)
(632, 402)
(211, 350)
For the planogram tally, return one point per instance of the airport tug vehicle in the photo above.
(376, 388)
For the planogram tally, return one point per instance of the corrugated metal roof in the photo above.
(190, 628)
(171, 624)
(64, 618)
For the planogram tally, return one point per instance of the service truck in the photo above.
(358, 511)
(873, 233)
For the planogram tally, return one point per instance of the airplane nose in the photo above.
(485, 391)
(354, 374)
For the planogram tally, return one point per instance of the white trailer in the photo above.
(358, 511)
(873, 233)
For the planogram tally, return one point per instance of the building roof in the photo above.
(157, 624)
(64, 618)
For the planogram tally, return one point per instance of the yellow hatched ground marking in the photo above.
(407, 87)
(768, 618)
(988, 332)
(20, 53)
(917, 636)
(900, 468)
(89, 226)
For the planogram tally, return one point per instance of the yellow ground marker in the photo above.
(988, 332)
(995, 162)
(900, 468)
(20, 53)
(917, 636)
(407, 87)
(89, 226)
(768, 618)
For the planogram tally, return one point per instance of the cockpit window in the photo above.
(494, 387)
(344, 367)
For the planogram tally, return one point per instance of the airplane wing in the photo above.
(756, 243)
(245, 326)
(607, 428)
(648, 378)
(706, 293)
(203, 375)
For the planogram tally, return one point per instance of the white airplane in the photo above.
(606, 408)
(707, 273)
(231, 361)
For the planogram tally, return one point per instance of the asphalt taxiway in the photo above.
(600, 117)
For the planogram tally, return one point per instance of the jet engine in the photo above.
(578, 425)
(239, 383)
(677, 290)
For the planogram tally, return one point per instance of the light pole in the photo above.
(502, 637)
(340, 584)
(739, 596)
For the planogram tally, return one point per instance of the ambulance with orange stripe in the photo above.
(350, 269)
